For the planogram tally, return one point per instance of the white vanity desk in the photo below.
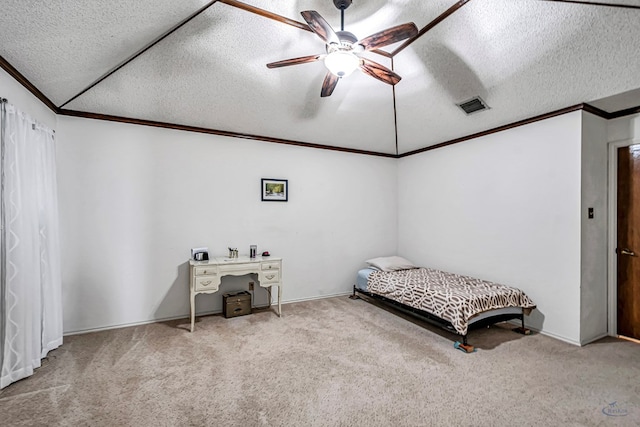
(205, 276)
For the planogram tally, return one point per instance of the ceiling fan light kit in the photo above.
(344, 49)
(341, 63)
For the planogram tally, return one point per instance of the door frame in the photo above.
(612, 279)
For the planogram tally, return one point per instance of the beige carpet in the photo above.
(332, 362)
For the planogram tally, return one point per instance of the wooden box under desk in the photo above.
(236, 304)
(205, 276)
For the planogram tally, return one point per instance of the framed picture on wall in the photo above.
(275, 190)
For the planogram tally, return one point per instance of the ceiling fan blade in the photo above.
(329, 84)
(295, 61)
(320, 26)
(379, 72)
(389, 36)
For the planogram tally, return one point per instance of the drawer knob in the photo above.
(270, 276)
(207, 283)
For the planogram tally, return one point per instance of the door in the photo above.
(628, 247)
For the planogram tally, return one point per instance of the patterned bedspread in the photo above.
(451, 297)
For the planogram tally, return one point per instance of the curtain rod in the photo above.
(3, 100)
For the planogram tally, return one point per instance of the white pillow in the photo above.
(390, 263)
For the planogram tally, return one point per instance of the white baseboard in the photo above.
(595, 338)
(558, 337)
(143, 322)
(341, 294)
(186, 316)
(547, 333)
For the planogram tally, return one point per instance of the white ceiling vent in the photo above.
(473, 105)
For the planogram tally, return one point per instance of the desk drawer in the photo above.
(206, 283)
(246, 268)
(272, 276)
(275, 265)
(210, 270)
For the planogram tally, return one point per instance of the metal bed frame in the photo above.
(441, 323)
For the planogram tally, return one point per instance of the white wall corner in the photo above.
(593, 231)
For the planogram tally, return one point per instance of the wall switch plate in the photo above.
(250, 286)
(590, 213)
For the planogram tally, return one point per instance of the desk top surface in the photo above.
(239, 260)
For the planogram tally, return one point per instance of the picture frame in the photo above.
(274, 190)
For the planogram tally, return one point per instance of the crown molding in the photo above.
(186, 128)
(4, 64)
(596, 3)
(495, 130)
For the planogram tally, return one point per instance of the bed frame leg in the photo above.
(464, 346)
(522, 330)
(354, 296)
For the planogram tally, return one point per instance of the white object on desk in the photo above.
(205, 276)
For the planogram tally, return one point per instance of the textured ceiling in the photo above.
(523, 57)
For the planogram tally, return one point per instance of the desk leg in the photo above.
(193, 310)
(280, 300)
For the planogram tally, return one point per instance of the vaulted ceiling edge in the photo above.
(252, 134)
(141, 51)
(594, 3)
(187, 128)
(96, 116)
(10, 69)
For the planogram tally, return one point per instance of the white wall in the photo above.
(134, 200)
(506, 208)
(17, 95)
(593, 311)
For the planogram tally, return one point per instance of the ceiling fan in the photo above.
(344, 49)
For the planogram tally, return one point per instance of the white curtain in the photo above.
(30, 279)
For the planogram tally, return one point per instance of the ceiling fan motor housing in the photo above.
(347, 41)
(346, 37)
(342, 4)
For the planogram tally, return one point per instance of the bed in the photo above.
(454, 302)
